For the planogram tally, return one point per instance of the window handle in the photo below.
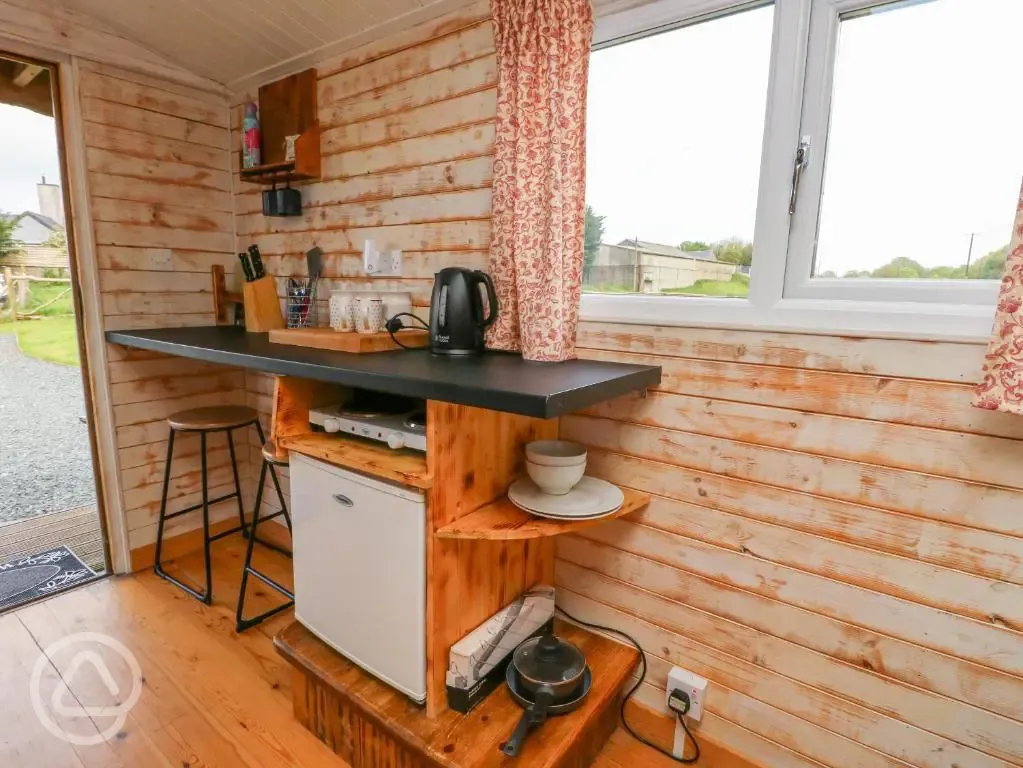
(801, 162)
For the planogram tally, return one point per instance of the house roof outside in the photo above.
(46, 221)
(646, 246)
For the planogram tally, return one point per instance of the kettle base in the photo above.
(456, 352)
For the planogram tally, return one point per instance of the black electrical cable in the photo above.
(625, 700)
(395, 324)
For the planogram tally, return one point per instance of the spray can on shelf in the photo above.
(251, 155)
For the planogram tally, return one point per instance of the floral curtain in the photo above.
(536, 252)
(1001, 388)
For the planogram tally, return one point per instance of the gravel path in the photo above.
(45, 463)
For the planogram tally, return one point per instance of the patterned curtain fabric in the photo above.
(1001, 388)
(536, 252)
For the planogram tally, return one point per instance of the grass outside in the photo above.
(53, 339)
(41, 294)
(737, 287)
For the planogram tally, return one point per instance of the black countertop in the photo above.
(495, 380)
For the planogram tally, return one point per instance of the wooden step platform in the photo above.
(370, 725)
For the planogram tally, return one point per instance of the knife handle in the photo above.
(257, 261)
(246, 267)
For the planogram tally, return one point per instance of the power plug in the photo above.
(683, 686)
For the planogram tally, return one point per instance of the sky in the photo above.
(926, 141)
(28, 151)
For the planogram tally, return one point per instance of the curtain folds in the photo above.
(1001, 387)
(536, 251)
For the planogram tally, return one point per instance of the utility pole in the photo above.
(969, 253)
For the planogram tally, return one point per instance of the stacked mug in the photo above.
(362, 312)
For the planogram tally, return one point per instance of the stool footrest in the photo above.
(230, 532)
(194, 507)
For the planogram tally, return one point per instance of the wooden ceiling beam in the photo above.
(33, 94)
(25, 74)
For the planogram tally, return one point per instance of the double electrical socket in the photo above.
(694, 686)
(380, 263)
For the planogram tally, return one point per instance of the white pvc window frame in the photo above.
(783, 296)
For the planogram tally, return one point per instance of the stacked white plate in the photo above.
(589, 500)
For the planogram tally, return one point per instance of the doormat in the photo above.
(26, 578)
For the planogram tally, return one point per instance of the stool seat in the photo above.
(212, 417)
(271, 455)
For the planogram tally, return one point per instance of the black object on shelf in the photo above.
(282, 202)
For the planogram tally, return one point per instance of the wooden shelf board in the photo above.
(453, 740)
(275, 173)
(405, 466)
(503, 521)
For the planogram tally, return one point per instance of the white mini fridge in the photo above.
(360, 569)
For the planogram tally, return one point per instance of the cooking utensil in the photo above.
(246, 267)
(314, 261)
(547, 671)
(516, 692)
(257, 261)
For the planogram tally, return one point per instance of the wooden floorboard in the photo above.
(210, 696)
(79, 529)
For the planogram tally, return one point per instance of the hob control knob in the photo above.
(330, 424)
(396, 440)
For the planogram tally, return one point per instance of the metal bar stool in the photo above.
(219, 418)
(271, 459)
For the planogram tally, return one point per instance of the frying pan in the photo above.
(547, 676)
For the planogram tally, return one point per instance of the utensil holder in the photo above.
(302, 303)
(262, 307)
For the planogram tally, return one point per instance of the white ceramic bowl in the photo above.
(556, 481)
(556, 453)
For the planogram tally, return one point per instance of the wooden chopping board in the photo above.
(327, 338)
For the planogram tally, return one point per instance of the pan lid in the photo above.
(548, 659)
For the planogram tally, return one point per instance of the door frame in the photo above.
(85, 291)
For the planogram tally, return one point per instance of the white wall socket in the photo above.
(380, 263)
(694, 686)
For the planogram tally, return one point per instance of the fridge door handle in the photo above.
(340, 498)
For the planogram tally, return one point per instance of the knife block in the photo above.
(262, 307)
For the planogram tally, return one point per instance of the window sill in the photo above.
(892, 320)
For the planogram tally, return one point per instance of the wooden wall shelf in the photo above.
(503, 521)
(275, 173)
(405, 466)
(287, 107)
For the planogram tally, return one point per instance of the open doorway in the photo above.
(51, 530)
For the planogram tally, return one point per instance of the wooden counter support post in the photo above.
(474, 454)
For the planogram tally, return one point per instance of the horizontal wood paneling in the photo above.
(408, 161)
(160, 199)
(834, 541)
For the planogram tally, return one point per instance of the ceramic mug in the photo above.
(370, 314)
(341, 314)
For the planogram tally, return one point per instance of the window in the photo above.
(896, 222)
(674, 214)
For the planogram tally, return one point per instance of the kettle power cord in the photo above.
(679, 700)
(395, 324)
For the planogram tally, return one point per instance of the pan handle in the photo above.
(533, 716)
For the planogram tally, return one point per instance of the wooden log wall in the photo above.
(407, 140)
(160, 196)
(835, 542)
(835, 539)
